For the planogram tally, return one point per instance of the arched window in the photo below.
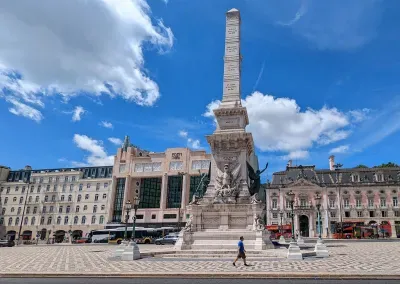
(21, 200)
(77, 209)
(49, 221)
(83, 220)
(26, 220)
(94, 208)
(76, 220)
(1, 221)
(70, 197)
(28, 210)
(93, 219)
(68, 209)
(62, 197)
(42, 221)
(101, 219)
(103, 207)
(30, 199)
(3, 211)
(84, 207)
(66, 220)
(10, 221)
(79, 198)
(12, 209)
(14, 199)
(19, 210)
(5, 200)
(58, 220)
(33, 221)
(53, 198)
(17, 221)
(46, 198)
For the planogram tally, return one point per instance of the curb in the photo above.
(205, 275)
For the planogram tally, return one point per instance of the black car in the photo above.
(7, 243)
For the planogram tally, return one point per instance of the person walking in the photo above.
(241, 252)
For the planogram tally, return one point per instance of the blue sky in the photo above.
(318, 77)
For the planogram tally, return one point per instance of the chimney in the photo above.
(332, 163)
(290, 163)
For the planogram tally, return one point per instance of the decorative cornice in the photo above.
(239, 110)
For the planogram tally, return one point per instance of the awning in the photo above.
(11, 233)
(27, 233)
(59, 233)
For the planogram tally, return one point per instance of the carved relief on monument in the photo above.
(229, 122)
(227, 183)
(231, 87)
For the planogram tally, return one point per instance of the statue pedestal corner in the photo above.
(131, 252)
(294, 252)
(320, 249)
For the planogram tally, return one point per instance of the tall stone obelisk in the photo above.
(230, 144)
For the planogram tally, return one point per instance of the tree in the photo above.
(361, 166)
(388, 165)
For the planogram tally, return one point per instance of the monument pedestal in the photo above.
(320, 249)
(120, 249)
(131, 252)
(282, 240)
(294, 252)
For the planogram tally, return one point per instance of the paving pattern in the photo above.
(346, 258)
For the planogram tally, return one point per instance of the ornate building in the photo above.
(365, 195)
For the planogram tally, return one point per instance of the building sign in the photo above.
(176, 156)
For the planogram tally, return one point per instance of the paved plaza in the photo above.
(347, 258)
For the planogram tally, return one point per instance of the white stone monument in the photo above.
(229, 208)
(320, 249)
(131, 252)
(120, 249)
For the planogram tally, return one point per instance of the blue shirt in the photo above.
(241, 246)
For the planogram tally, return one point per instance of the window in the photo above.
(21, 200)
(359, 214)
(105, 184)
(26, 220)
(10, 221)
(48, 187)
(12, 209)
(175, 166)
(65, 179)
(80, 187)
(14, 199)
(5, 200)
(1, 221)
(79, 198)
(50, 179)
(94, 208)
(42, 221)
(119, 200)
(83, 220)
(73, 178)
(57, 179)
(396, 213)
(347, 214)
(58, 220)
(70, 197)
(86, 196)
(153, 216)
(104, 196)
(333, 214)
(32, 189)
(60, 209)
(384, 213)
(37, 199)
(93, 219)
(38, 189)
(358, 202)
(71, 187)
(62, 197)
(29, 199)
(169, 216)
(53, 198)
(96, 197)
(88, 185)
(46, 198)
(84, 207)
(75, 220)
(174, 191)
(33, 220)
(275, 215)
(55, 187)
(41, 180)
(122, 168)
(346, 203)
(101, 221)
(17, 221)
(103, 207)
(19, 211)
(274, 204)
(51, 209)
(139, 217)
(28, 210)
(370, 202)
(64, 187)
(66, 220)
(44, 209)
(16, 188)
(3, 211)
(97, 186)
(8, 190)
(200, 164)
(371, 214)
(395, 202)
(34, 210)
(1, 189)
(150, 191)
(383, 202)
(23, 189)
(68, 209)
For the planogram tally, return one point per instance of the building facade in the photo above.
(164, 182)
(358, 195)
(54, 202)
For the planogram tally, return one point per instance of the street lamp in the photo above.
(318, 205)
(136, 202)
(127, 208)
(290, 196)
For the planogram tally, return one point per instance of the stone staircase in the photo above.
(221, 254)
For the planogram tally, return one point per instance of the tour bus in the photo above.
(142, 235)
(99, 236)
(360, 230)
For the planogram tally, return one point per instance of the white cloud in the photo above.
(72, 46)
(340, 149)
(24, 110)
(359, 115)
(106, 124)
(191, 143)
(279, 124)
(97, 155)
(77, 113)
(296, 155)
(115, 141)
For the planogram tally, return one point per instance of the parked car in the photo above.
(81, 241)
(7, 243)
(169, 239)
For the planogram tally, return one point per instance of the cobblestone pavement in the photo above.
(346, 258)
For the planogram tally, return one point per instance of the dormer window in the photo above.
(355, 178)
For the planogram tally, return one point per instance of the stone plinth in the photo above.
(120, 249)
(131, 252)
(320, 249)
(282, 240)
(294, 252)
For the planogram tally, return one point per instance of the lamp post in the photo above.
(281, 237)
(294, 250)
(136, 202)
(337, 167)
(318, 205)
(127, 208)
